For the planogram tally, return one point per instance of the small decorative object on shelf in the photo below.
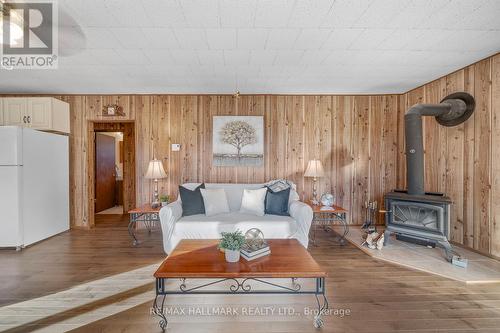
(232, 242)
(255, 245)
(164, 199)
(112, 110)
(327, 200)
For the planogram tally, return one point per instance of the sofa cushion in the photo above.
(234, 192)
(253, 201)
(215, 201)
(192, 201)
(210, 227)
(277, 202)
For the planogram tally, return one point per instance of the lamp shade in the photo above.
(155, 170)
(314, 169)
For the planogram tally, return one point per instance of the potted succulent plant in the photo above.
(232, 242)
(164, 199)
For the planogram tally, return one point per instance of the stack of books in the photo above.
(255, 251)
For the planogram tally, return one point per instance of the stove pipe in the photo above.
(453, 110)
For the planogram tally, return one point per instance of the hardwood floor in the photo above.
(75, 257)
(381, 297)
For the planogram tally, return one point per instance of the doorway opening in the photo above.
(113, 159)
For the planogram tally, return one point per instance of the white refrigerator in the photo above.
(34, 186)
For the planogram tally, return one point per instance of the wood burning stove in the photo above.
(423, 219)
(415, 215)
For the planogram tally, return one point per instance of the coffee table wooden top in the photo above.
(202, 259)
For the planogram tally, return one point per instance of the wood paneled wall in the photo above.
(360, 140)
(354, 136)
(462, 161)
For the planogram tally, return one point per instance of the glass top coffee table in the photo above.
(199, 267)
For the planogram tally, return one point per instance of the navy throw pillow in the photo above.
(192, 201)
(277, 202)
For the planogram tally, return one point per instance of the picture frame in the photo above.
(112, 110)
(238, 141)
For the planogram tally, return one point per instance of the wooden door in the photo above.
(105, 177)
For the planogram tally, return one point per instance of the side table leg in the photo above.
(343, 222)
(159, 311)
(131, 232)
(346, 229)
(315, 227)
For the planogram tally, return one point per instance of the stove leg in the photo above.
(448, 251)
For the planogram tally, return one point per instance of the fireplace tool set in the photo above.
(372, 238)
(370, 211)
(415, 215)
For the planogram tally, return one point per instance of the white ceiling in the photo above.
(263, 46)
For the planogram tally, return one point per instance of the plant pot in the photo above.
(232, 255)
(164, 203)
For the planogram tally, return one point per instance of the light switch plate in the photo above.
(176, 147)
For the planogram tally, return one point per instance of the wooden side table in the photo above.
(327, 217)
(146, 214)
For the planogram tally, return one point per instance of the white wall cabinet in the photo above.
(14, 112)
(40, 113)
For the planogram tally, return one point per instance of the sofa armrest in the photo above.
(169, 215)
(303, 214)
(171, 212)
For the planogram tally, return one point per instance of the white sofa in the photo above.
(175, 227)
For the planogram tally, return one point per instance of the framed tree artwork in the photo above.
(238, 141)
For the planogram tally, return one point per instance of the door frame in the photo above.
(129, 163)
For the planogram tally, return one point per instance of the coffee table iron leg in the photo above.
(318, 320)
(322, 306)
(159, 311)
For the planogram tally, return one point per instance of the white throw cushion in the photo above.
(253, 201)
(215, 201)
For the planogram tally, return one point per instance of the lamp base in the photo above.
(155, 203)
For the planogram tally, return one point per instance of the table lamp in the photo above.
(314, 170)
(155, 171)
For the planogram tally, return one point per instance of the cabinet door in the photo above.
(39, 113)
(14, 111)
(1, 112)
